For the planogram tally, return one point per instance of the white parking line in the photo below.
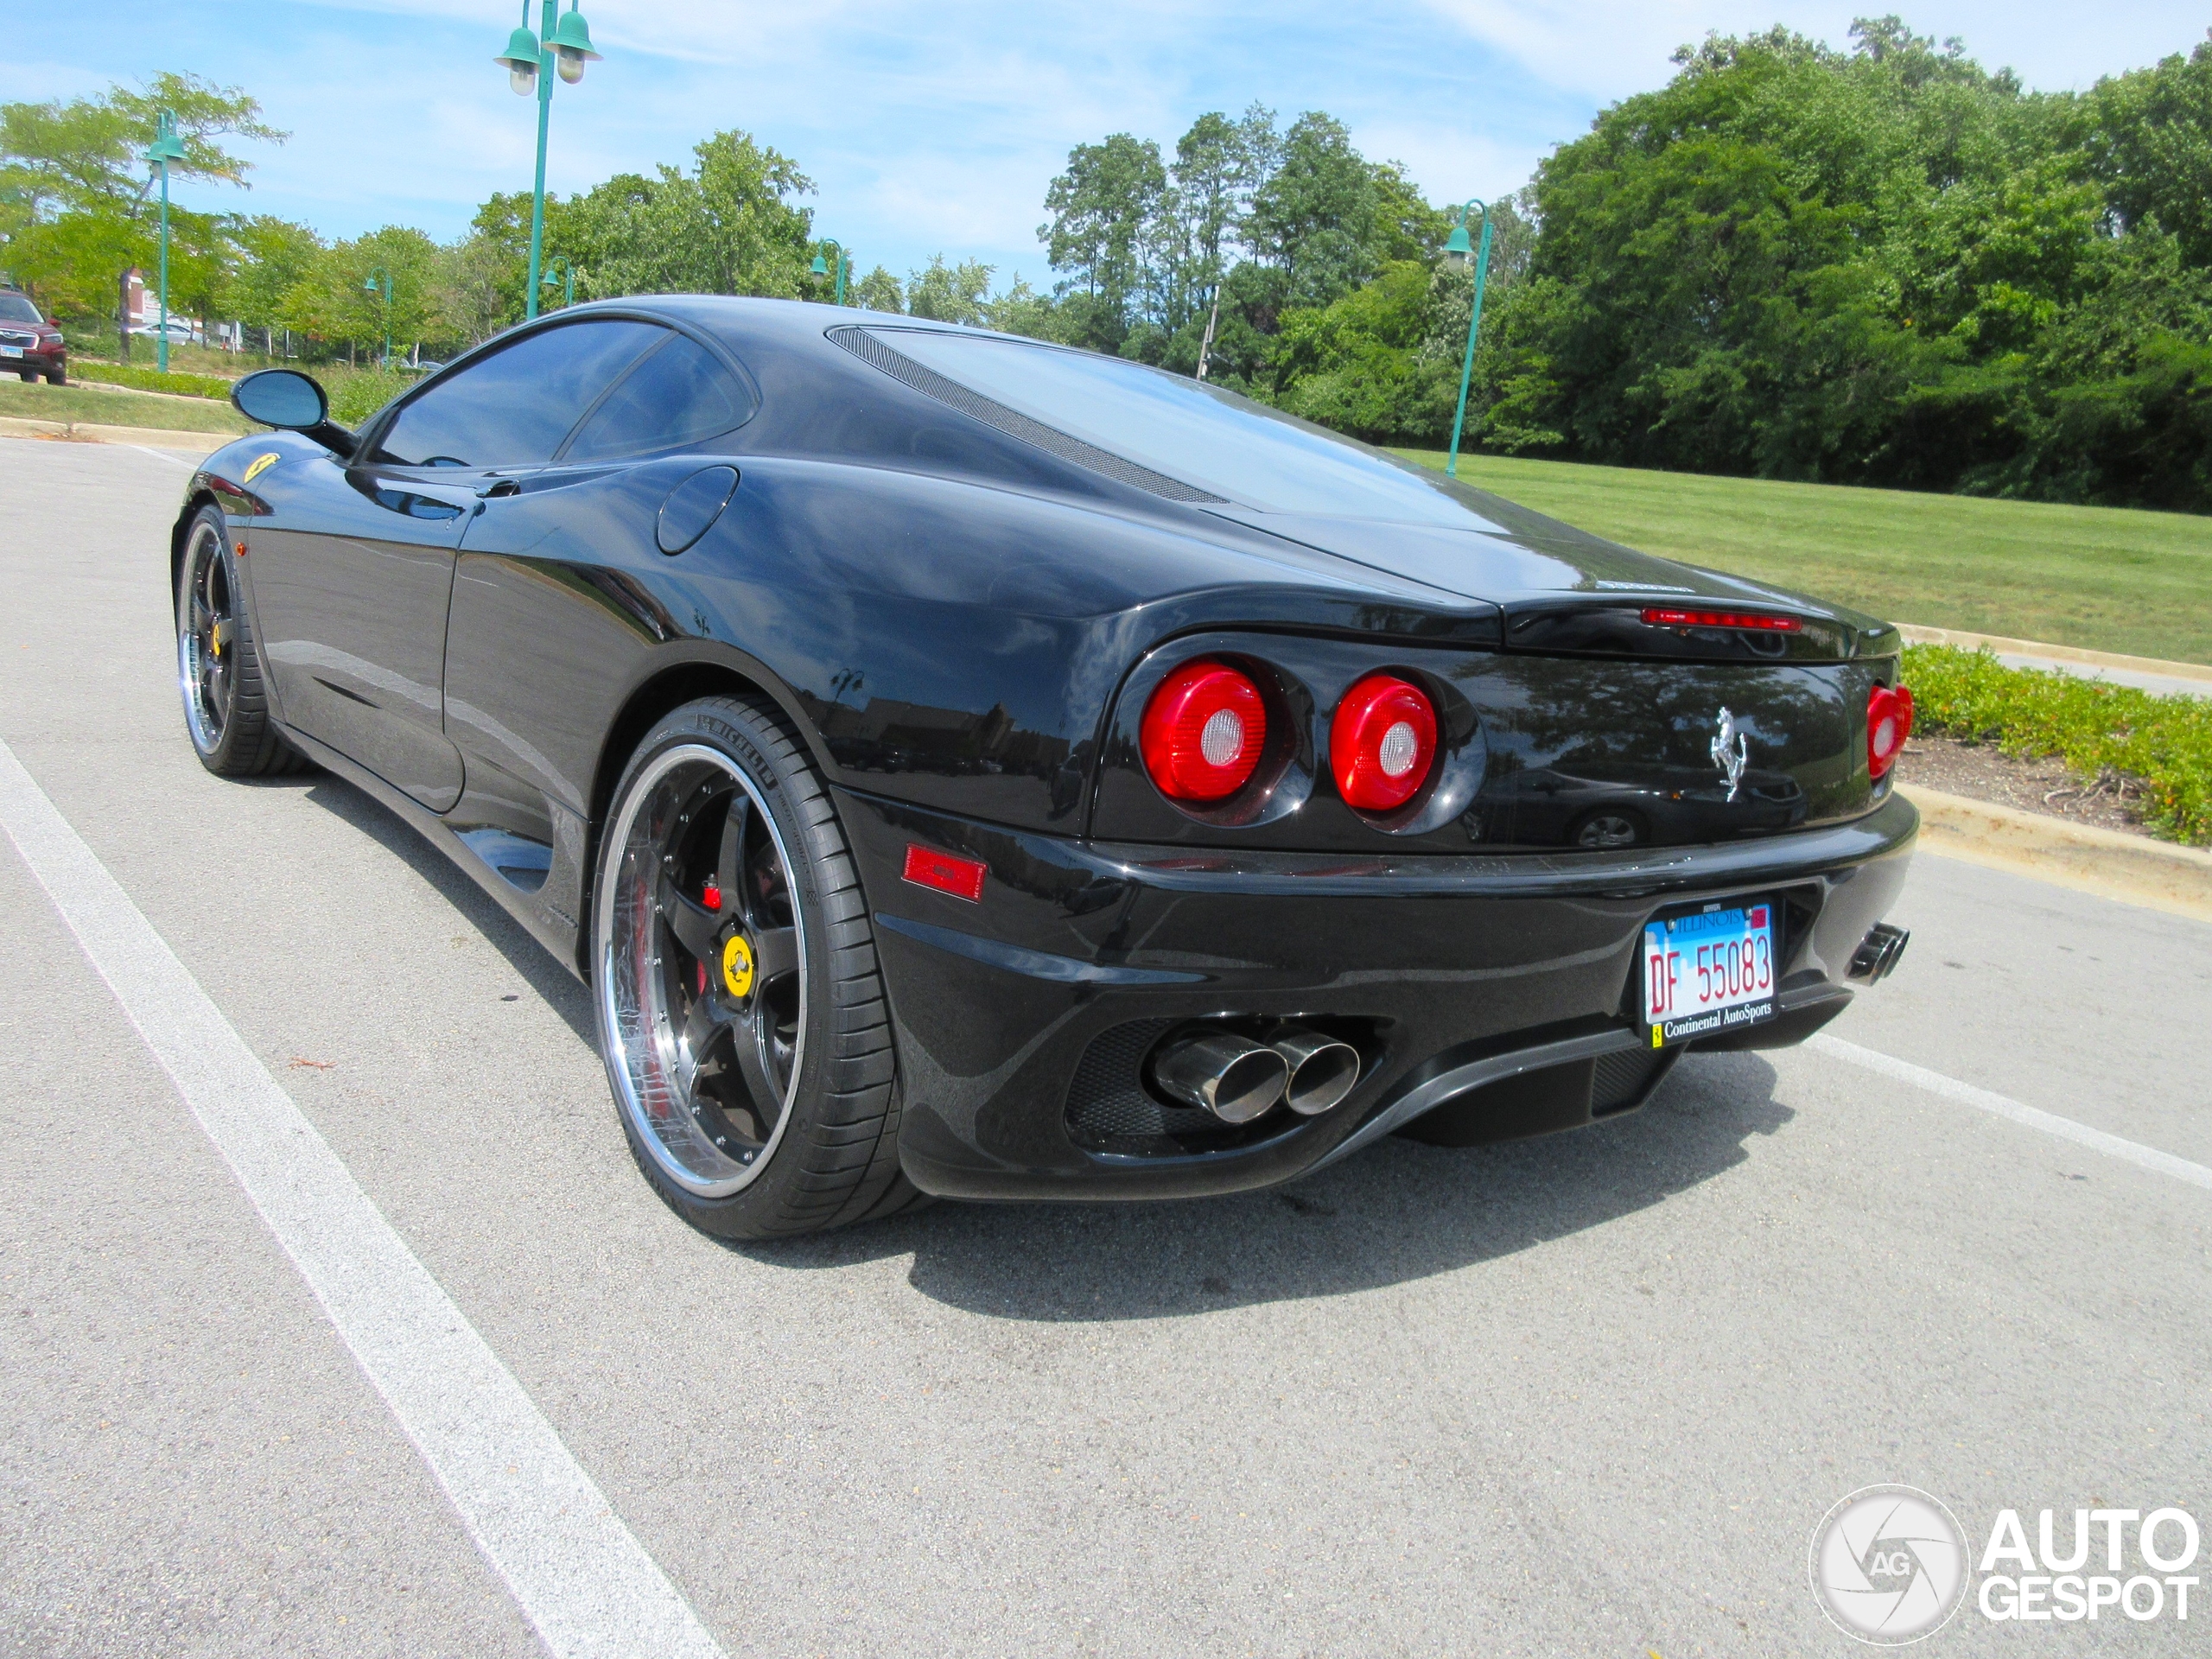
(581, 1576)
(159, 454)
(2065, 1129)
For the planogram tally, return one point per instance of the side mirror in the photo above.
(291, 401)
(281, 397)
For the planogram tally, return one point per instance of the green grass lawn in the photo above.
(105, 407)
(2103, 578)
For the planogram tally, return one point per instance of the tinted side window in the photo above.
(514, 407)
(678, 394)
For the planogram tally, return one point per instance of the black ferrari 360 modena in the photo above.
(963, 765)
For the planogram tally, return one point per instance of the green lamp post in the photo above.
(377, 275)
(566, 281)
(1456, 248)
(566, 48)
(821, 266)
(167, 147)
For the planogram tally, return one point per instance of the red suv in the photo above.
(28, 343)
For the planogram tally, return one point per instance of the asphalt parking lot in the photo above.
(1588, 1395)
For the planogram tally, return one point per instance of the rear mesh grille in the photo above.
(863, 344)
(1110, 1108)
(1625, 1077)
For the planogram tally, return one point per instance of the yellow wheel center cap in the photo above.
(737, 966)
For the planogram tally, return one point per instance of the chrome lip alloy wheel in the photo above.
(702, 971)
(1608, 830)
(207, 633)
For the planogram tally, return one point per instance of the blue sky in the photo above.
(936, 127)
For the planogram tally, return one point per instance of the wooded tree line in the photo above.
(1877, 264)
(1881, 264)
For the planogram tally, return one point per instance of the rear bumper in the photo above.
(1455, 971)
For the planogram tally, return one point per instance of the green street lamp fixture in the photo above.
(565, 48)
(167, 147)
(1457, 249)
(566, 281)
(821, 266)
(377, 273)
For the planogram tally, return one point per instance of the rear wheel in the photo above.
(1608, 827)
(733, 977)
(218, 664)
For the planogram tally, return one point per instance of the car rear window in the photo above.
(1182, 428)
(678, 394)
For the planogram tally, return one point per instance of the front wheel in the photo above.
(740, 1011)
(219, 664)
(55, 376)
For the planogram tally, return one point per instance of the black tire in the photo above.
(219, 664)
(1609, 829)
(773, 1111)
(57, 377)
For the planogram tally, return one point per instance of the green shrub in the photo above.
(116, 374)
(2092, 726)
(356, 394)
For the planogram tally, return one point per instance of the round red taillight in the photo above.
(1889, 722)
(1382, 743)
(1203, 732)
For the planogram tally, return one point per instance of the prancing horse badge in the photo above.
(1731, 752)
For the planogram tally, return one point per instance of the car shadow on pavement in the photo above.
(562, 991)
(1397, 1211)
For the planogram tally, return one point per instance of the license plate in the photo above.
(12, 351)
(1713, 971)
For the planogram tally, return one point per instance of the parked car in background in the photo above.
(181, 332)
(28, 343)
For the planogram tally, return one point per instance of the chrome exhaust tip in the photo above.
(1322, 1068)
(1231, 1076)
(1877, 954)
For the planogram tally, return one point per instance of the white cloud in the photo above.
(1609, 48)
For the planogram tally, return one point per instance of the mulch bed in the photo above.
(1980, 773)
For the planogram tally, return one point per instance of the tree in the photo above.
(2149, 140)
(726, 227)
(1101, 207)
(80, 211)
(879, 291)
(946, 293)
(1022, 310)
(272, 257)
(334, 298)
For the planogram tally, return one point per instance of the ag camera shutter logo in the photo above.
(1889, 1565)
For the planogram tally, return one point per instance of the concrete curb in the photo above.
(2003, 646)
(2131, 869)
(200, 443)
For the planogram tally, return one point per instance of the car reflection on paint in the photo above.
(1584, 807)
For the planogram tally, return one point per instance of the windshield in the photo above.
(13, 308)
(1187, 430)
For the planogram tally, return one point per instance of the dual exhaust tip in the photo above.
(1877, 954)
(1238, 1078)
